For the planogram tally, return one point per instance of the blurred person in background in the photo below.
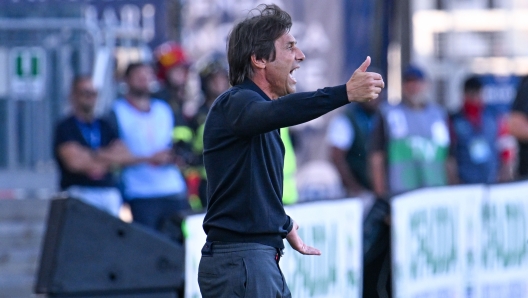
(172, 68)
(348, 134)
(245, 221)
(152, 185)
(410, 141)
(408, 150)
(478, 139)
(518, 126)
(214, 80)
(87, 150)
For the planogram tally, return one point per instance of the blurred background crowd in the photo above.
(106, 100)
(465, 58)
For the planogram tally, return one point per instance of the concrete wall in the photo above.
(22, 227)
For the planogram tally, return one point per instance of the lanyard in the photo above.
(91, 133)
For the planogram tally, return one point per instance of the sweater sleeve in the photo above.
(288, 226)
(249, 114)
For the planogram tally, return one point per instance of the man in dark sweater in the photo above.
(245, 221)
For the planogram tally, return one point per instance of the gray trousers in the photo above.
(241, 270)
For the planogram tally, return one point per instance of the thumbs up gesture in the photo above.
(364, 86)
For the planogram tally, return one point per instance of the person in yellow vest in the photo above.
(289, 195)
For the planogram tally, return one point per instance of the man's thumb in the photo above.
(363, 67)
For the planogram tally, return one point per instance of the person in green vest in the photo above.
(410, 142)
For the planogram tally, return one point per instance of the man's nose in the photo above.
(299, 55)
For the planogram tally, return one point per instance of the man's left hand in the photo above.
(298, 244)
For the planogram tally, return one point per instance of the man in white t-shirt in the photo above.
(152, 185)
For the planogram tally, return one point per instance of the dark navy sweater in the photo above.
(244, 158)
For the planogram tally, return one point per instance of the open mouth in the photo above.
(291, 75)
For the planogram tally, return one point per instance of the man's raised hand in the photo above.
(364, 86)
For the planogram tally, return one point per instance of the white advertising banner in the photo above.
(194, 241)
(334, 227)
(435, 232)
(503, 260)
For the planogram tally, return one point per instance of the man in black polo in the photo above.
(86, 149)
(245, 221)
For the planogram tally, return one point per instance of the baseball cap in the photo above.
(413, 72)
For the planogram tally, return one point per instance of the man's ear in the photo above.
(258, 63)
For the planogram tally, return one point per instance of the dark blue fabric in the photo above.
(364, 119)
(361, 123)
(520, 105)
(244, 160)
(67, 130)
(152, 212)
(91, 132)
(240, 270)
(470, 171)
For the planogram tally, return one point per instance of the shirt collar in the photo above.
(249, 84)
(84, 122)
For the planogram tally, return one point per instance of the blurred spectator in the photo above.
(408, 150)
(86, 149)
(152, 184)
(214, 81)
(410, 141)
(518, 126)
(477, 132)
(348, 135)
(173, 73)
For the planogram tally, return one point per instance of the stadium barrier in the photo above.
(460, 241)
(464, 241)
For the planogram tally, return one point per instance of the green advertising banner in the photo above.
(335, 228)
(433, 235)
(503, 259)
(467, 242)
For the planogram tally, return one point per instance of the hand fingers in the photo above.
(375, 75)
(363, 67)
(308, 250)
